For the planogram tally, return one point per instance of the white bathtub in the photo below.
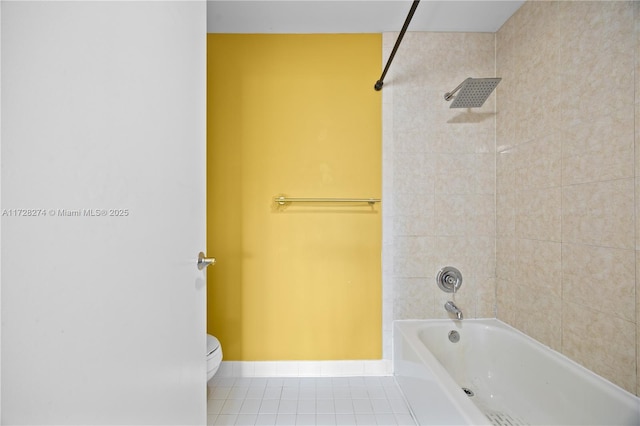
(515, 379)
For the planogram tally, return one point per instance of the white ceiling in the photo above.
(356, 16)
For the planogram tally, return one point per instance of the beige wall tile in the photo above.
(413, 257)
(600, 43)
(408, 225)
(464, 173)
(507, 301)
(538, 163)
(473, 256)
(506, 255)
(506, 207)
(410, 204)
(486, 298)
(414, 298)
(542, 317)
(559, 128)
(538, 267)
(538, 214)
(469, 215)
(506, 170)
(600, 278)
(599, 342)
(636, 19)
(442, 175)
(602, 149)
(599, 213)
(413, 173)
(637, 322)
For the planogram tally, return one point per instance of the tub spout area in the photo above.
(451, 307)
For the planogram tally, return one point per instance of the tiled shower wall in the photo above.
(533, 196)
(438, 178)
(566, 175)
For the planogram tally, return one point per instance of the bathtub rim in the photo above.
(410, 330)
(464, 407)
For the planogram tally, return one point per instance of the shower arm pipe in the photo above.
(379, 83)
(449, 95)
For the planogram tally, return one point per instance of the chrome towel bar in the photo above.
(283, 200)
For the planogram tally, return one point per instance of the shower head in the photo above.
(473, 92)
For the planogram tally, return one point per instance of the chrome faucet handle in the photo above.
(449, 279)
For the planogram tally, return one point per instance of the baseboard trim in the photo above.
(305, 368)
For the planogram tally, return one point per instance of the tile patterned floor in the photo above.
(370, 400)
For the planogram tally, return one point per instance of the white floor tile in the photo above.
(359, 392)
(286, 420)
(365, 419)
(306, 419)
(223, 381)
(306, 406)
(324, 392)
(320, 401)
(246, 419)
(325, 419)
(362, 406)
(259, 382)
(291, 381)
(356, 381)
(308, 382)
(339, 381)
(393, 392)
(376, 392)
(346, 419)
(341, 392)
(344, 406)
(231, 406)
(250, 406)
(373, 381)
(214, 406)
(255, 392)
(221, 392)
(398, 406)
(266, 419)
(324, 382)
(238, 392)
(307, 393)
(386, 419)
(272, 393)
(289, 393)
(381, 406)
(275, 381)
(226, 419)
(405, 420)
(269, 406)
(243, 382)
(325, 406)
(288, 406)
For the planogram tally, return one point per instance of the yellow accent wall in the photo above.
(294, 115)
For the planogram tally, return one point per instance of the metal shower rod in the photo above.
(380, 82)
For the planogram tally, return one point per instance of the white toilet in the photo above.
(214, 356)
